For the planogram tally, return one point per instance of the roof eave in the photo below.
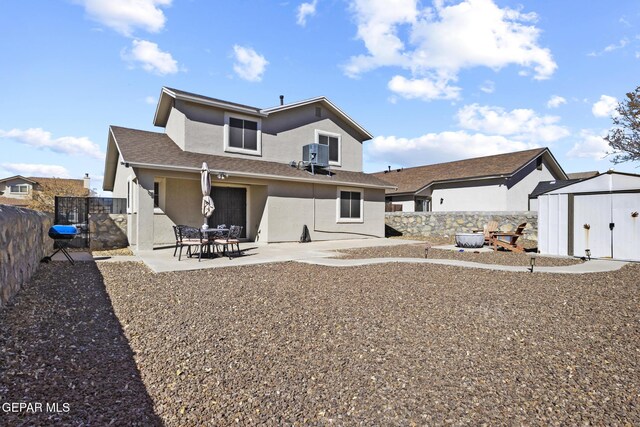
(162, 110)
(255, 175)
(110, 162)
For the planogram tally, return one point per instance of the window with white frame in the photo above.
(20, 189)
(334, 141)
(242, 134)
(350, 205)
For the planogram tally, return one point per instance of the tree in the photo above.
(43, 196)
(624, 138)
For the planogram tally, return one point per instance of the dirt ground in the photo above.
(297, 344)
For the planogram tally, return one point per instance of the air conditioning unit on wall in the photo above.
(316, 154)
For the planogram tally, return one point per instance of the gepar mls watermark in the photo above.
(35, 407)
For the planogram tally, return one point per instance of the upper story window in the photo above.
(242, 134)
(20, 189)
(334, 141)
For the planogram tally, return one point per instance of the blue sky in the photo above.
(433, 81)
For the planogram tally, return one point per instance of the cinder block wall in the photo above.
(23, 243)
(425, 224)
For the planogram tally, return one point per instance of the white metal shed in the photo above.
(599, 213)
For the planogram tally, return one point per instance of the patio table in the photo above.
(208, 231)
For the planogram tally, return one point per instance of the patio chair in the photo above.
(191, 237)
(508, 240)
(176, 233)
(489, 228)
(233, 238)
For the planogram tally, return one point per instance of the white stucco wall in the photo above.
(518, 194)
(469, 198)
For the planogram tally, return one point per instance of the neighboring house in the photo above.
(20, 191)
(501, 182)
(250, 153)
(582, 175)
(598, 213)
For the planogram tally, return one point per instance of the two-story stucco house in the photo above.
(258, 179)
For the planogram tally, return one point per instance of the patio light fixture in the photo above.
(426, 250)
(222, 175)
(587, 252)
(532, 262)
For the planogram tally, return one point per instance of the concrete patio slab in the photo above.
(162, 260)
(324, 253)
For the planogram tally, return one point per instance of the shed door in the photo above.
(595, 211)
(626, 233)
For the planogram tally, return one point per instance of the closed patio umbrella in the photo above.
(207, 202)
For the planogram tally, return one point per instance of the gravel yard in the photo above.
(417, 251)
(294, 343)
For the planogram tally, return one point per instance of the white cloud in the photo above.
(124, 16)
(520, 124)
(425, 88)
(445, 39)
(38, 138)
(28, 169)
(439, 147)
(151, 100)
(150, 58)
(610, 48)
(590, 146)
(488, 86)
(605, 107)
(555, 101)
(249, 64)
(622, 43)
(304, 11)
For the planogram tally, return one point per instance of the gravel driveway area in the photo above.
(492, 257)
(293, 343)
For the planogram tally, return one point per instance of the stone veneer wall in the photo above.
(108, 231)
(425, 224)
(24, 241)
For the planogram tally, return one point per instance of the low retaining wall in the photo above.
(23, 243)
(108, 231)
(425, 224)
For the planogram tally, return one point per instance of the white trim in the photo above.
(340, 220)
(318, 132)
(130, 196)
(27, 186)
(228, 148)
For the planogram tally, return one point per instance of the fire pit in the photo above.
(469, 240)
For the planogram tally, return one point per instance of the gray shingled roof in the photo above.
(157, 149)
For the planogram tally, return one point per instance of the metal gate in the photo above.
(77, 210)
